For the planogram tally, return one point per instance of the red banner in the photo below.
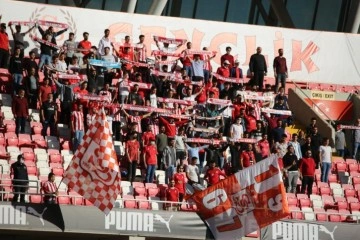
(161, 53)
(332, 109)
(174, 100)
(218, 101)
(244, 202)
(176, 41)
(52, 24)
(349, 127)
(228, 79)
(22, 23)
(92, 97)
(275, 111)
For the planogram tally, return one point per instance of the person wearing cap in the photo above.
(150, 159)
(4, 46)
(20, 178)
(258, 68)
(236, 71)
(227, 57)
(18, 37)
(223, 71)
(280, 70)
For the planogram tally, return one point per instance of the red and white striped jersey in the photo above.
(77, 118)
(117, 116)
(105, 93)
(49, 187)
(207, 64)
(141, 52)
(136, 119)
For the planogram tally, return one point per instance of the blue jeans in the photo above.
(78, 136)
(340, 152)
(356, 147)
(325, 169)
(221, 162)
(17, 81)
(188, 70)
(169, 172)
(44, 59)
(150, 170)
(280, 79)
(206, 75)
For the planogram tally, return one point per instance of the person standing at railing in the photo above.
(20, 179)
(50, 189)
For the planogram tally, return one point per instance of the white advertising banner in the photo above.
(312, 56)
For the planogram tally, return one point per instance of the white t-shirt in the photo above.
(325, 154)
(193, 172)
(237, 131)
(153, 100)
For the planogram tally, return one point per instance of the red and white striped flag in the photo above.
(94, 171)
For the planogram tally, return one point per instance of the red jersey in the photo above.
(307, 166)
(129, 57)
(44, 92)
(150, 152)
(179, 182)
(264, 147)
(223, 71)
(248, 158)
(228, 57)
(84, 44)
(4, 41)
(132, 148)
(77, 118)
(146, 136)
(250, 123)
(172, 194)
(213, 175)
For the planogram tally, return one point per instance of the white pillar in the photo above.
(356, 23)
(131, 6)
(157, 7)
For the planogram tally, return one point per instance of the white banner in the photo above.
(311, 55)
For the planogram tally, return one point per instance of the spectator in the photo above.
(31, 83)
(169, 159)
(85, 44)
(48, 115)
(277, 132)
(18, 37)
(247, 157)
(16, 69)
(181, 152)
(141, 50)
(282, 145)
(105, 42)
(20, 110)
(235, 151)
(223, 71)
(186, 60)
(50, 31)
(236, 71)
(161, 143)
(307, 171)
(180, 181)
(316, 140)
(150, 160)
(46, 52)
(50, 189)
(228, 57)
(296, 145)
(258, 132)
(213, 174)
(356, 139)
(44, 90)
(340, 142)
(4, 46)
(193, 152)
(280, 70)
(258, 69)
(77, 126)
(192, 172)
(236, 129)
(172, 196)
(70, 47)
(264, 146)
(20, 179)
(311, 126)
(290, 161)
(30, 62)
(132, 153)
(325, 159)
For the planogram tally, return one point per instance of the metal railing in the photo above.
(349, 218)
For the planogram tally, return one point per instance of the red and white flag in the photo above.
(244, 202)
(94, 171)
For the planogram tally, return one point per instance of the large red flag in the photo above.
(94, 171)
(244, 202)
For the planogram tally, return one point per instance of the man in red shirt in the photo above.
(264, 146)
(150, 160)
(85, 44)
(223, 71)
(4, 46)
(147, 135)
(280, 70)
(44, 90)
(132, 153)
(227, 56)
(20, 109)
(247, 157)
(171, 195)
(179, 178)
(186, 60)
(307, 171)
(213, 174)
(250, 120)
(50, 189)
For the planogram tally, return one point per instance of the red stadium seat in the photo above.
(292, 202)
(325, 191)
(58, 171)
(28, 153)
(341, 166)
(140, 191)
(10, 126)
(63, 198)
(350, 193)
(356, 180)
(138, 184)
(304, 202)
(11, 139)
(328, 201)
(350, 161)
(2, 139)
(24, 140)
(344, 214)
(343, 205)
(302, 196)
(36, 127)
(129, 201)
(353, 167)
(296, 213)
(35, 198)
(354, 206)
(153, 192)
(333, 178)
(322, 217)
(142, 202)
(39, 141)
(334, 218)
(315, 189)
(54, 156)
(32, 170)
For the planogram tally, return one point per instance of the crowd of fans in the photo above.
(192, 115)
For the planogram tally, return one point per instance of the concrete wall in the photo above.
(303, 113)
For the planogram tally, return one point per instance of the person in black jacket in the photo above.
(16, 69)
(258, 68)
(20, 179)
(46, 52)
(290, 161)
(50, 31)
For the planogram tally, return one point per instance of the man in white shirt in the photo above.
(236, 129)
(296, 145)
(105, 42)
(192, 172)
(325, 159)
